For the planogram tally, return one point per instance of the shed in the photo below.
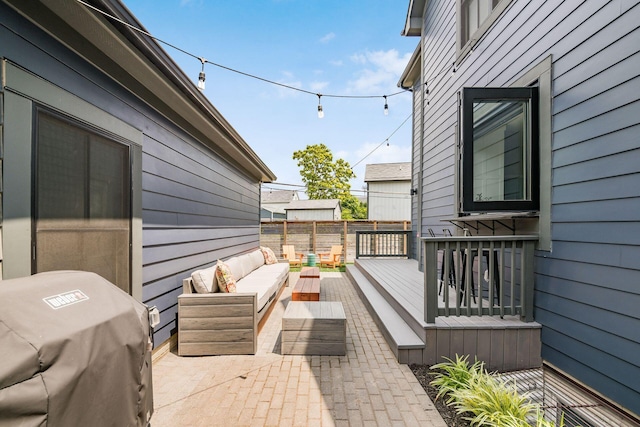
(314, 210)
(388, 191)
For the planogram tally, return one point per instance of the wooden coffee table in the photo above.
(310, 272)
(306, 289)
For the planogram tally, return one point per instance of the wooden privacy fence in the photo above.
(313, 237)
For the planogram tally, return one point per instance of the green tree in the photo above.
(352, 208)
(328, 179)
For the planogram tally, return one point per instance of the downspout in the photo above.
(421, 156)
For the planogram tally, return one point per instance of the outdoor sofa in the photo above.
(214, 322)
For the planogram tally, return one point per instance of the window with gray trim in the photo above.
(474, 18)
(500, 149)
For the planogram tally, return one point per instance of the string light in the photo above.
(386, 106)
(201, 75)
(320, 112)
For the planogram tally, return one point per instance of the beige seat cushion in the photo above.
(204, 280)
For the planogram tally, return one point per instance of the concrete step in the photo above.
(404, 342)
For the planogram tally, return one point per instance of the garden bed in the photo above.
(448, 413)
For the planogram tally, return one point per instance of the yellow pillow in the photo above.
(226, 282)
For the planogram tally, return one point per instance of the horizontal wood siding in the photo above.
(587, 296)
(197, 205)
(196, 209)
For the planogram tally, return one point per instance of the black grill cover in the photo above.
(74, 351)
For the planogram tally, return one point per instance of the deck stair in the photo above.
(393, 292)
(407, 344)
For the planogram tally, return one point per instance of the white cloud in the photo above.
(358, 58)
(318, 86)
(336, 62)
(381, 72)
(327, 38)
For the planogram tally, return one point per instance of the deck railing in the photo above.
(479, 275)
(383, 243)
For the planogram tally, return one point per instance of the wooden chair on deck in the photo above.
(331, 259)
(289, 252)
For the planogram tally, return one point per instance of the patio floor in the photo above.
(365, 387)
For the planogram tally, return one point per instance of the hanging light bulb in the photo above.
(386, 106)
(387, 142)
(201, 75)
(320, 112)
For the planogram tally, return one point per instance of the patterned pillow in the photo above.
(269, 256)
(226, 282)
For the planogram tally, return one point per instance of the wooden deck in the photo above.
(393, 291)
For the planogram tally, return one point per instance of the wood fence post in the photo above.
(284, 232)
(344, 240)
(313, 238)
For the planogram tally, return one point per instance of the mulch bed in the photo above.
(449, 415)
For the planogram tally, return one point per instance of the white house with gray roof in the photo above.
(274, 202)
(314, 210)
(388, 191)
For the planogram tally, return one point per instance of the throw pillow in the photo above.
(226, 282)
(269, 256)
(204, 281)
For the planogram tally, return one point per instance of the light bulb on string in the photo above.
(320, 111)
(201, 77)
(386, 106)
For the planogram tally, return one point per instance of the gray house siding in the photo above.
(196, 208)
(196, 204)
(587, 293)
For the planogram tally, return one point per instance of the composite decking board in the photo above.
(396, 328)
(402, 279)
(398, 281)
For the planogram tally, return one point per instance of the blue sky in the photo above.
(338, 47)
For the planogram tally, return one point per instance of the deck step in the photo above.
(404, 342)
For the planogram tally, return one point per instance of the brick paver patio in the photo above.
(367, 387)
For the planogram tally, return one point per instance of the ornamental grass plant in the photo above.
(486, 399)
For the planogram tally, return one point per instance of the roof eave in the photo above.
(149, 73)
(413, 22)
(413, 69)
